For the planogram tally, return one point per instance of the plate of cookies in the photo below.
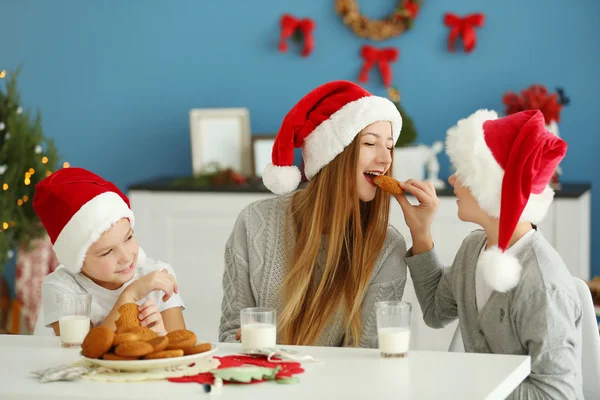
(132, 347)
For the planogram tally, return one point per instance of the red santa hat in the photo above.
(76, 207)
(323, 123)
(507, 163)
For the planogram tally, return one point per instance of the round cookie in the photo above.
(388, 184)
(97, 342)
(143, 332)
(159, 343)
(114, 357)
(133, 349)
(126, 337)
(180, 339)
(197, 349)
(164, 354)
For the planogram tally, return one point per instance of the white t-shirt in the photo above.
(483, 291)
(103, 300)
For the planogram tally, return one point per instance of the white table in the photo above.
(344, 373)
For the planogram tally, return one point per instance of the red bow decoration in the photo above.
(289, 25)
(288, 368)
(464, 27)
(383, 57)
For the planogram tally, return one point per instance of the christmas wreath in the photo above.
(401, 19)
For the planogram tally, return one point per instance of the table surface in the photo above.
(343, 373)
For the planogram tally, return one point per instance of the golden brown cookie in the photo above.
(126, 337)
(114, 357)
(97, 342)
(180, 339)
(164, 354)
(197, 349)
(143, 332)
(159, 343)
(388, 184)
(128, 317)
(133, 349)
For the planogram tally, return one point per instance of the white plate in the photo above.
(144, 365)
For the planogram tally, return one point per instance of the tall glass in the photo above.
(393, 328)
(73, 317)
(259, 328)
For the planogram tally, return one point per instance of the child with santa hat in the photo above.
(323, 255)
(508, 287)
(91, 227)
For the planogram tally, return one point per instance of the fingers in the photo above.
(172, 278)
(148, 310)
(419, 193)
(238, 334)
(151, 319)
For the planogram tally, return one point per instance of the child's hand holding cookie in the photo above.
(150, 317)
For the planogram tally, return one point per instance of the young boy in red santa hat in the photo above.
(90, 224)
(509, 288)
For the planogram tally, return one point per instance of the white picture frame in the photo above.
(220, 135)
(262, 149)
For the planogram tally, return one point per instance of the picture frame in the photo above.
(222, 136)
(262, 147)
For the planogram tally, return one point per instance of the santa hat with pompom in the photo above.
(323, 123)
(76, 207)
(507, 163)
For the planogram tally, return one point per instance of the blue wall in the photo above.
(115, 79)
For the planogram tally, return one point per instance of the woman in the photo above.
(321, 256)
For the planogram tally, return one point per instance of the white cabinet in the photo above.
(188, 229)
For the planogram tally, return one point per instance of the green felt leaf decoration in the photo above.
(246, 374)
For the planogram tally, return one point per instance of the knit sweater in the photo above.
(255, 269)
(541, 317)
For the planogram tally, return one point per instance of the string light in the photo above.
(2, 74)
(31, 171)
(5, 186)
(5, 225)
(25, 198)
(44, 160)
(66, 164)
(48, 173)
(19, 202)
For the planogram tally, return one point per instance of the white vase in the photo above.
(553, 128)
(409, 163)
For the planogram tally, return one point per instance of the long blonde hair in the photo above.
(355, 233)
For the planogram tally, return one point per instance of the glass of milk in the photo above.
(73, 317)
(393, 328)
(259, 328)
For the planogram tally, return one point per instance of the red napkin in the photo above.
(288, 368)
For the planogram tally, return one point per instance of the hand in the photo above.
(150, 316)
(157, 280)
(420, 217)
(238, 334)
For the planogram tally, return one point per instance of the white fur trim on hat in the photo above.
(281, 180)
(478, 170)
(86, 226)
(332, 136)
(501, 271)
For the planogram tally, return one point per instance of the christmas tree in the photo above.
(408, 134)
(26, 157)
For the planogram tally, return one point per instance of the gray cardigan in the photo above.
(255, 267)
(541, 317)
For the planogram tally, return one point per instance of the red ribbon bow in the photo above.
(383, 57)
(464, 27)
(289, 25)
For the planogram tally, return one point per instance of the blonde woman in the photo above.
(324, 255)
